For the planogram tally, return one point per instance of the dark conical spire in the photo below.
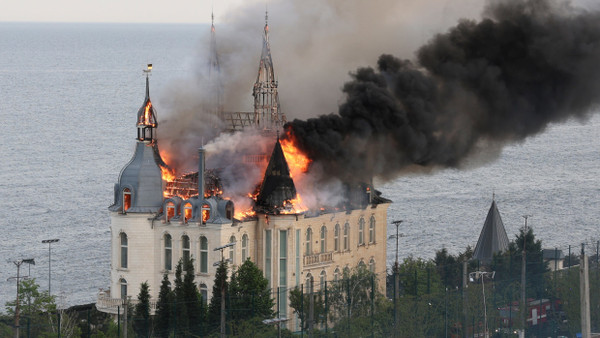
(493, 236)
(277, 186)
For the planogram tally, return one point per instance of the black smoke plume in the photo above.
(526, 64)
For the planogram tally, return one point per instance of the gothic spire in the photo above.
(267, 110)
(215, 105)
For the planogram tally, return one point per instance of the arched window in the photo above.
(361, 231)
(322, 279)
(308, 242)
(309, 283)
(204, 293)
(187, 212)
(168, 252)
(232, 250)
(323, 239)
(346, 272)
(126, 199)
(372, 265)
(123, 284)
(336, 274)
(372, 230)
(244, 248)
(185, 248)
(336, 238)
(362, 265)
(346, 236)
(170, 211)
(123, 250)
(203, 254)
(205, 213)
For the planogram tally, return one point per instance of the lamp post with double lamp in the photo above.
(473, 276)
(50, 241)
(18, 277)
(221, 248)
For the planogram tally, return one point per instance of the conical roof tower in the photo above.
(140, 185)
(277, 186)
(493, 238)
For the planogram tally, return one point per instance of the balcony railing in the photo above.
(320, 258)
(112, 305)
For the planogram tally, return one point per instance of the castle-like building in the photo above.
(154, 225)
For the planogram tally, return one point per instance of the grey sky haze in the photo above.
(158, 11)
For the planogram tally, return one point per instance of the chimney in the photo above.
(201, 173)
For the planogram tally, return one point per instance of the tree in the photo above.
(35, 307)
(508, 265)
(300, 302)
(250, 293)
(352, 296)
(141, 321)
(194, 307)
(180, 316)
(214, 309)
(163, 313)
(419, 277)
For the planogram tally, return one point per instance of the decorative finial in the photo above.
(277, 135)
(266, 15)
(148, 70)
(493, 196)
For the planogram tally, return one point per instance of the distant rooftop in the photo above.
(493, 238)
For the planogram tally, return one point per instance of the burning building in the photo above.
(159, 218)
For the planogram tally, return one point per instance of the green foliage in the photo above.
(194, 307)
(449, 267)
(419, 277)
(214, 309)
(181, 320)
(163, 315)
(141, 321)
(300, 303)
(250, 293)
(35, 307)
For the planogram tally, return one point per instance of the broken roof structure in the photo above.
(493, 238)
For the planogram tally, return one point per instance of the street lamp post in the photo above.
(17, 307)
(479, 275)
(221, 248)
(50, 241)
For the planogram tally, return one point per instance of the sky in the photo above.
(142, 11)
(134, 11)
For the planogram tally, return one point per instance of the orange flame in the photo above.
(296, 159)
(147, 118)
(294, 206)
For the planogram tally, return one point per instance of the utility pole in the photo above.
(17, 306)
(396, 281)
(464, 292)
(221, 248)
(584, 294)
(523, 278)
